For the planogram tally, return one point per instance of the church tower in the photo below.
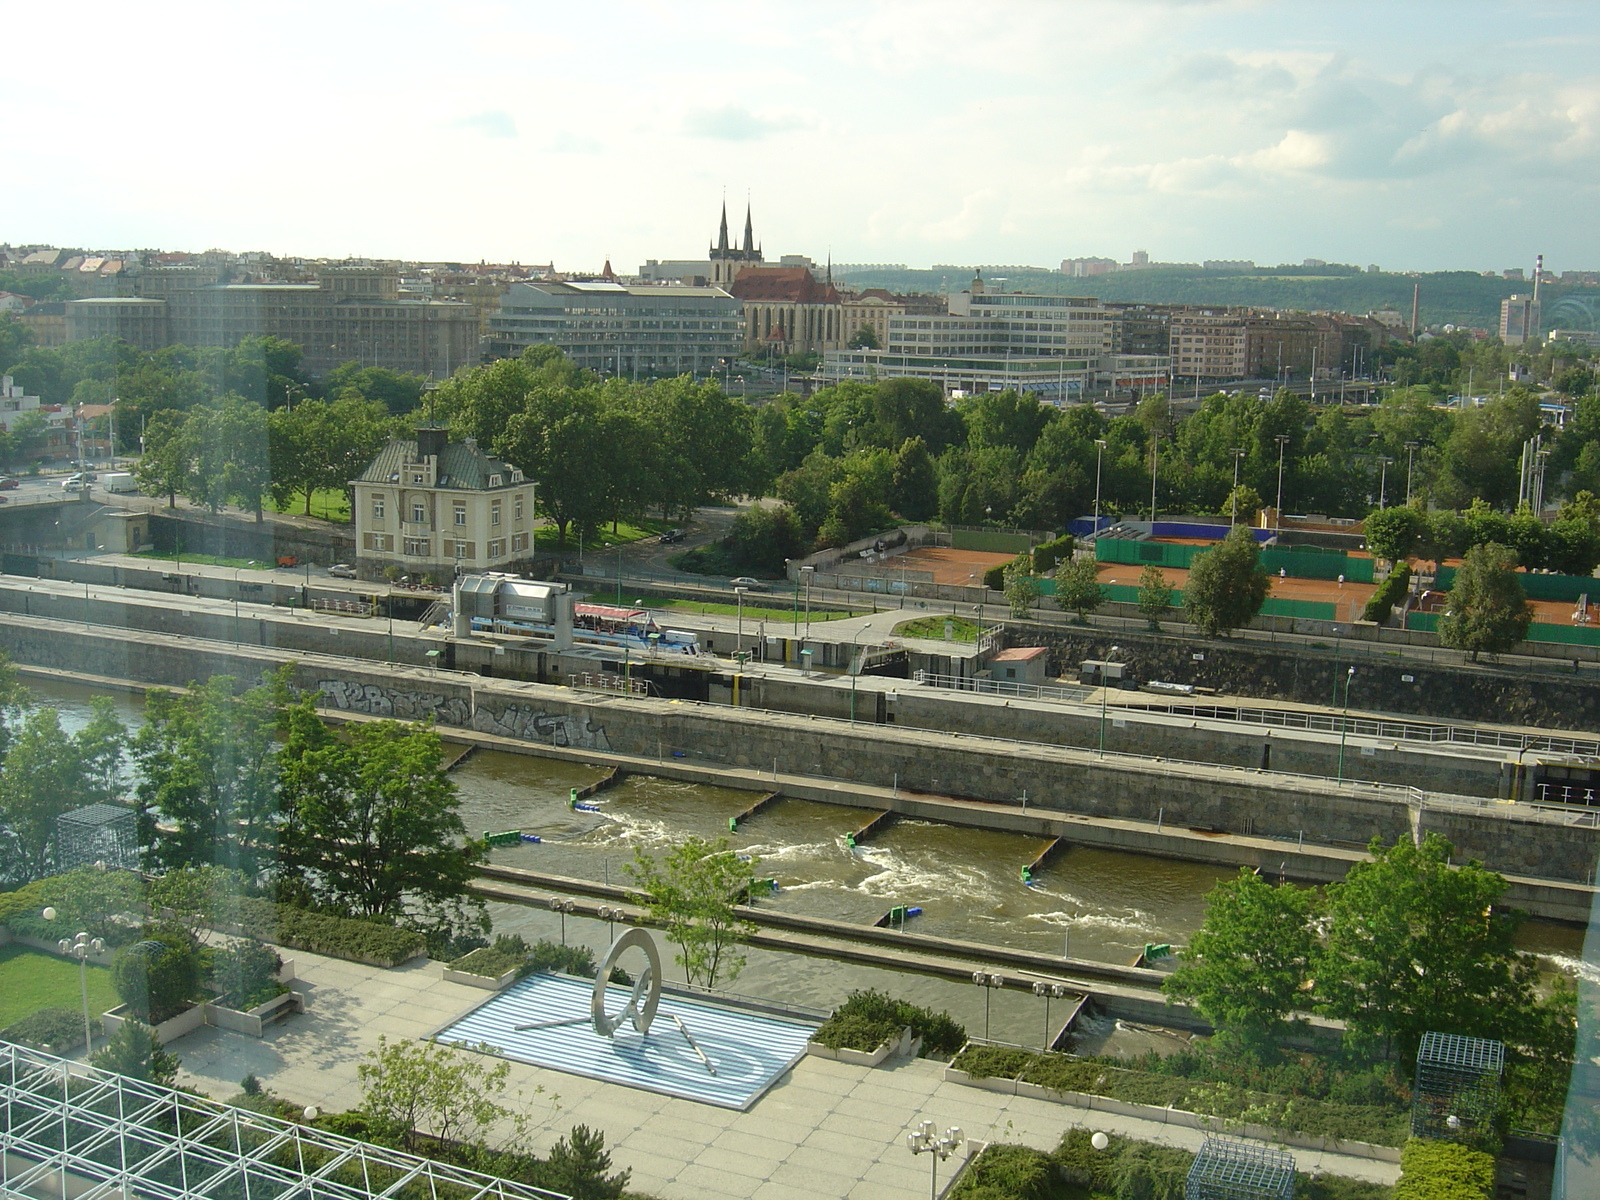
(727, 261)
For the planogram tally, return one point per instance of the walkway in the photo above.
(826, 1129)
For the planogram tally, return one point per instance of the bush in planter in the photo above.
(157, 977)
(1007, 1172)
(992, 1062)
(1125, 1167)
(85, 898)
(488, 962)
(53, 1030)
(869, 1018)
(1432, 1170)
(245, 974)
(134, 1051)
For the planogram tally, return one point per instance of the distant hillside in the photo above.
(1448, 297)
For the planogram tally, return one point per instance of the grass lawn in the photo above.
(331, 504)
(624, 534)
(753, 610)
(933, 627)
(30, 980)
(204, 560)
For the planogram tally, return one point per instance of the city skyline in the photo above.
(1435, 137)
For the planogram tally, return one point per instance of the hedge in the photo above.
(53, 1030)
(1047, 554)
(324, 933)
(1065, 1073)
(869, 1018)
(488, 962)
(1432, 1170)
(1389, 593)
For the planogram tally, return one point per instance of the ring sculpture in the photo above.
(648, 986)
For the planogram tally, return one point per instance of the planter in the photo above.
(866, 1058)
(487, 982)
(1178, 1116)
(169, 1030)
(254, 1021)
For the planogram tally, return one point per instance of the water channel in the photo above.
(1095, 904)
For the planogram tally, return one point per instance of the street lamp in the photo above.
(988, 983)
(1283, 442)
(926, 1141)
(1103, 666)
(808, 572)
(1050, 991)
(739, 593)
(1238, 453)
(1344, 721)
(1383, 478)
(80, 948)
(1411, 449)
(1155, 467)
(1099, 448)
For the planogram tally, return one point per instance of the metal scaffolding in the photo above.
(98, 833)
(1228, 1169)
(1457, 1091)
(72, 1130)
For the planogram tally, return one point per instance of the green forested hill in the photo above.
(1455, 297)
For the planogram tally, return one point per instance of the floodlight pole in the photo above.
(1344, 721)
(1283, 443)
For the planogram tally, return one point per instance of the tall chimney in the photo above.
(1416, 297)
(1538, 270)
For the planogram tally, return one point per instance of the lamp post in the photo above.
(1283, 443)
(1411, 449)
(1238, 453)
(80, 948)
(1344, 721)
(1099, 449)
(1155, 467)
(926, 1141)
(739, 594)
(808, 572)
(1103, 666)
(1383, 479)
(988, 983)
(1050, 991)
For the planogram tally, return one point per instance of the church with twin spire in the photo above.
(727, 261)
(787, 309)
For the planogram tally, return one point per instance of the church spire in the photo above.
(722, 234)
(749, 232)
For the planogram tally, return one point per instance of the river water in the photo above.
(1093, 904)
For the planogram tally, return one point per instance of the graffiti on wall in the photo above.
(539, 725)
(378, 701)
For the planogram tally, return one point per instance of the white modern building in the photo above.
(618, 329)
(1058, 347)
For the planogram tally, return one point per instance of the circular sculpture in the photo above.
(647, 985)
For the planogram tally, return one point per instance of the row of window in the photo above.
(383, 543)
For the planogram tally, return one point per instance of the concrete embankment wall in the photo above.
(841, 760)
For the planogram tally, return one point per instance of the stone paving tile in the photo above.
(754, 1166)
(651, 1172)
(845, 1145)
(674, 1126)
(680, 1149)
(774, 1190)
(753, 1144)
(718, 1177)
(862, 1128)
(809, 1179)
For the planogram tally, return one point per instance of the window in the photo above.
(497, 548)
(460, 549)
(516, 509)
(377, 508)
(416, 478)
(519, 541)
(417, 547)
(494, 513)
(461, 514)
(419, 511)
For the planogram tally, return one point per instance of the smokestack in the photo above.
(1538, 270)
(1416, 297)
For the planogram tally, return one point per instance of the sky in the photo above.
(1413, 134)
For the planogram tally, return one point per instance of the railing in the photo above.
(605, 681)
(1000, 687)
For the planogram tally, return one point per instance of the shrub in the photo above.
(1432, 1170)
(577, 1166)
(1390, 592)
(995, 577)
(1007, 1171)
(869, 1018)
(53, 1030)
(1047, 554)
(1125, 1167)
(85, 898)
(488, 962)
(157, 977)
(134, 1051)
(246, 974)
(324, 933)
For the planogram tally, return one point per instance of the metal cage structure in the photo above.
(98, 833)
(1457, 1092)
(1229, 1169)
(71, 1130)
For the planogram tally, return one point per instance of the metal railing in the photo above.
(1001, 687)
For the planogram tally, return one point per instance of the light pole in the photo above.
(1103, 666)
(1050, 991)
(1344, 721)
(1411, 449)
(808, 572)
(1383, 479)
(1283, 442)
(926, 1141)
(1099, 449)
(1155, 467)
(80, 948)
(1238, 453)
(796, 600)
(988, 983)
(739, 592)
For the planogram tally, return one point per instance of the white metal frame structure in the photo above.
(72, 1130)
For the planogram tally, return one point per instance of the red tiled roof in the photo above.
(1019, 654)
(793, 285)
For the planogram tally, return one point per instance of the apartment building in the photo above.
(615, 328)
(430, 506)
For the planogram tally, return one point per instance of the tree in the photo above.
(1155, 595)
(165, 466)
(1395, 533)
(693, 892)
(1415, 944)
(1226, 585)
(157, 977)
(229, 457)
(1488, 612)
(1021, 587)
(1247, 966)
(322, 445)
(134, 1051)
(44, 775)
(863, 339)
(1078, 586)
(577, 1166)
(1243, 503)
(915, 485)
(209, 766)
(373, 822)
(411, 1088)
(91, 898)
(766, 537)
(197, 897)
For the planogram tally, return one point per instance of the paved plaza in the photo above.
(825, 1129)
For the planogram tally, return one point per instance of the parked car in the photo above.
(745, 581)
(74, 481)
(9, 482)
(342, 571)
(672, 535)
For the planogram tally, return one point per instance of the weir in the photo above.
(760, 805)
(871, 829)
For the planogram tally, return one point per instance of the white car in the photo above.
(342, 571)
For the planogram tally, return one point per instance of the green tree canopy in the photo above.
(1488, 611)
(1226, 585)
(693, 892)
(1078, 587)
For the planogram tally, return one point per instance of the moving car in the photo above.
(745, 581)
(672, 535)
(9, 482)
(342, 571)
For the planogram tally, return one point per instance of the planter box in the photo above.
(488, 983)
(867, 1058)
(168, 1031)
(1178, 1116)
(255, 1020)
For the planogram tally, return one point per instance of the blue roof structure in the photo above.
(748, 1050)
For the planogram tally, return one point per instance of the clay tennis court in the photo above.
(960, 567)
